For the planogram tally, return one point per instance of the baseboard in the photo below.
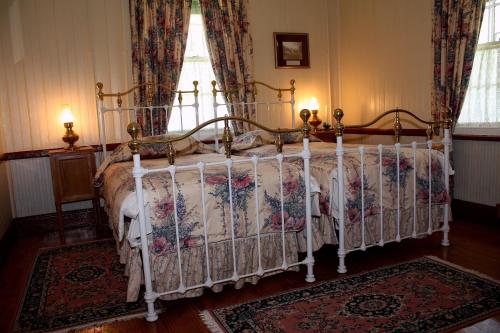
(474, 212)
(6, 241)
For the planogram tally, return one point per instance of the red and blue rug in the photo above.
(425, 295)
(75, 286)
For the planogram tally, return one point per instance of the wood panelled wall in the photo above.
(52, 53)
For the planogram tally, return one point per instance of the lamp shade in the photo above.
(313, 104)
(67, 115)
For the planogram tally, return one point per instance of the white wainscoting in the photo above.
(477, 171)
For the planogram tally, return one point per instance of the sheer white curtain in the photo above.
(481, 108)
(196, 66)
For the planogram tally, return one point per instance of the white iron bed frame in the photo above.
(285, 98)
(127, 114)
(340, 150)
(139, 172)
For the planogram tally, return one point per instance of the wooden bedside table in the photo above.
(72, 179)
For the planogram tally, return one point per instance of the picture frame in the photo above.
(291, 50)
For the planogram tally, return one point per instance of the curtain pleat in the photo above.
(456, 26)
(231, 53)
(159, 31)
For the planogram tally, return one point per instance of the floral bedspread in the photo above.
(324, 169)
(119, 193)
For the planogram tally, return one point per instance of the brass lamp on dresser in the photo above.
(72, 175)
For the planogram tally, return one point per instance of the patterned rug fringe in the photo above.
(468, 270)
(210, 322)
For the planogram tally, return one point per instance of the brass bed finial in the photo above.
(100, 94)
(279, 142)
(134, 129)
(429, 132)
(227, 138)
(195, 91)
(119, 100)
(447, 121)
(338, 114)
(214, 90)
(292, 86)
(170, 153)
(305, 114)
(397, 126)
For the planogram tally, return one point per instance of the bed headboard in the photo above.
(274, 100)
(433, 127)
(116, 109)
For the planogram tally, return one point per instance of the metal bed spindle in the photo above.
(362, 157)
(201, 168)
(414, 152)
(381, 201)
(429, 149)
(182, 286)
(279, 158)
(398, 182)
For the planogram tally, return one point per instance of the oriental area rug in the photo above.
(76, 286)
(424, 295)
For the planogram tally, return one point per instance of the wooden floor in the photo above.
(474, 245)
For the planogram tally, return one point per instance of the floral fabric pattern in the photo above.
(324, 170)
(189, 212)
(159, 34)
(122, 153)
(456, 26)
(257, 138)
(231, 51)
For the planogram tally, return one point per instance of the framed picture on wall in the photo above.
(291, 50)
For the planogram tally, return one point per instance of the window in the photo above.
(481, 110)
(196, 67)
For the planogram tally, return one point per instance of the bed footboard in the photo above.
(229, 164)
(428, 213)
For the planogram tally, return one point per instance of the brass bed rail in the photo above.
(432, 126)
(227, 93)
(150, 92)
(227, 138)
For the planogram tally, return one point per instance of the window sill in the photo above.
(477, 134)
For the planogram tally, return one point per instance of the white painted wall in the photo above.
(384, 56)
(52, 53)
(304, 16)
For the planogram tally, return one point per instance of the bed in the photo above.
(207, 219)
(253, 211)
(390, 205)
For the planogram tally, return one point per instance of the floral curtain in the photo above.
(456, 25)
(230, 48)
(159, 34)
